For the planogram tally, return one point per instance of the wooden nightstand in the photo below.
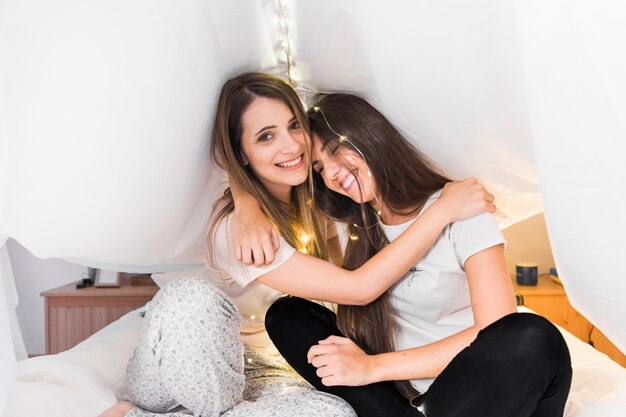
(72, 315)
(549, 299)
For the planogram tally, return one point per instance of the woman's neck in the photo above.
(389, 217)
(282, 192)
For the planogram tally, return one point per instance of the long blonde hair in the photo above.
(297, 222)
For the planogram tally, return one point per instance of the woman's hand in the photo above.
(118, 410)
(339, 361)
(255, 240)
(465, 199)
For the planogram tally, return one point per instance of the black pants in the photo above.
(518, 366)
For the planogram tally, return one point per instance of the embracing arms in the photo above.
(308, 277)
(341, 362)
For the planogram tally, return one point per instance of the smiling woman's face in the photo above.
(273, 144)
(343, 170)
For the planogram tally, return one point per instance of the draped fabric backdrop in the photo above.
(575, 76)
(106, 110)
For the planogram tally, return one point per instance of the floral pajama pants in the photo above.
(191, 360)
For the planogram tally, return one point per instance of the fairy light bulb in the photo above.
(354, 237)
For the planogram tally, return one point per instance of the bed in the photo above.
(87, 379)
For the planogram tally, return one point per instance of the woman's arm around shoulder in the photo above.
(308, 277)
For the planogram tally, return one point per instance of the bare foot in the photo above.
(118, 410)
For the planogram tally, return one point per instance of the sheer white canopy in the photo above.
(106, 110)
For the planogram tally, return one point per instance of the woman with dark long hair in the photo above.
(447, 332)
(196, 334)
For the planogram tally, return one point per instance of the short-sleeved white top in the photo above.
(432, 300)
(238, 281)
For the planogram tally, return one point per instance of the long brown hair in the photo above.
(292, 220)
(404, 179)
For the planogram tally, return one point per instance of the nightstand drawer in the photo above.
(72, 315)
(553, 307)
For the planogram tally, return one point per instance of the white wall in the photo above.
(32, 276)
(528, 241)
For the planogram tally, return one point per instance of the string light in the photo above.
(303, 239)
(283, 23)
(353, 237)
(343, 139)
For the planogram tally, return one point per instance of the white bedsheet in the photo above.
(80, 382)
(599, 384)
(87, 379)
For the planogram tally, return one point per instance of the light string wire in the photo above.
(283, 23)
(292, 77)
(345, 139)
(304, 237)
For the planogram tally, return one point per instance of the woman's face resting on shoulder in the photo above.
(344, 171)
(273, 144)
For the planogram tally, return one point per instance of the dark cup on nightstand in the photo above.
(526, 273)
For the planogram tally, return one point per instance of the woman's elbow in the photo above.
(360, 292)
(363, 298)
(354, 298)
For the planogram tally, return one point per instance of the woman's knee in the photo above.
(532, 338)
(196, 298)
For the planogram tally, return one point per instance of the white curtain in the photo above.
(449, 73)
(109, 107)
(575, 73)
(106, 110)
(8, 352)
(105, 116)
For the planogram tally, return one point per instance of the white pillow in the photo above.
(82, 381)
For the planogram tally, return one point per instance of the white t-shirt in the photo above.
(238, 281)
(432, 301)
